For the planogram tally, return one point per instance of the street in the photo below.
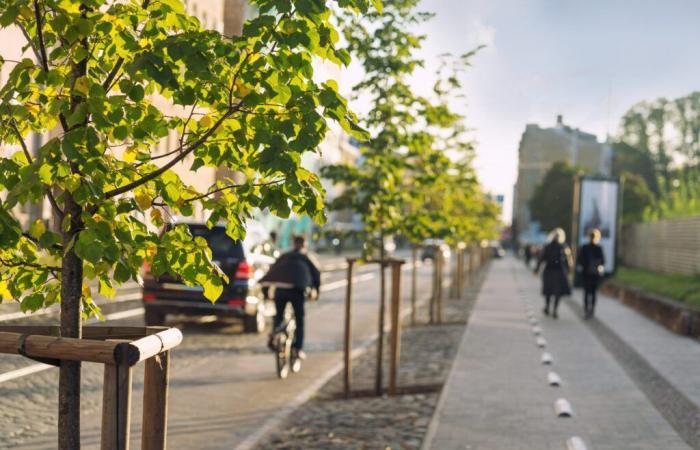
(224, 392)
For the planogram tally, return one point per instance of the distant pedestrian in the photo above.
(557, 261)
(590, 261)
(528, 254)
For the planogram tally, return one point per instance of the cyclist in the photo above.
(295, 276)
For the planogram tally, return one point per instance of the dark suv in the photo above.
(243, 262)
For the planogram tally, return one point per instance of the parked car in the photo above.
(497, 250)
(430, 249)
(242, 261)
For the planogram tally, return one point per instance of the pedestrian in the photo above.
(295, 276)
(590, 262)
(528, 254)
(557, 261)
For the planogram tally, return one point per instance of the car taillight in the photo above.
(149, 297)
(243, 271)
(236, 301)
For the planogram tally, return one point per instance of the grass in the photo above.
(677, 286)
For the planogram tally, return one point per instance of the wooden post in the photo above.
(433, 294)
(414, 261)
(440, 267)
(347, 373)
(155, 402)
(116, 406)
(457, 278)
(395, 325)
(379, 375)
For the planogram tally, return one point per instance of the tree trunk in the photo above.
(71, 326)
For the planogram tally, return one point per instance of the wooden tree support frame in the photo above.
(395, 330)
(119, 349)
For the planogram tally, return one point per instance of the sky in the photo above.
(587, 60)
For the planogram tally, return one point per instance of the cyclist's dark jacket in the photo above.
(294, 268)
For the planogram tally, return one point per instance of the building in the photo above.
(539, 149)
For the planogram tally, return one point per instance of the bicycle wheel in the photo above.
(282, 353)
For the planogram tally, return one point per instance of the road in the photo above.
(224, 391)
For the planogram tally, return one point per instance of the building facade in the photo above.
(539, 149)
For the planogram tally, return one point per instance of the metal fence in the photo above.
(663, 246)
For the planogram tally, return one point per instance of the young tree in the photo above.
(93, 76)
(384, 44)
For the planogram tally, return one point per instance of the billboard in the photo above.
(598, 207)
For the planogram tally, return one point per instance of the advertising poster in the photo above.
(598, 208)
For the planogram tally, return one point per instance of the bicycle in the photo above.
(281, 344)
(281, 340)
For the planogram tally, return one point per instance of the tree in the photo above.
(668, 131)
(630, 160)
(552, 202)
(636, 197)
(385, 46)
(95, 72)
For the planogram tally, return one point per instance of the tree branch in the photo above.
(40, 37)
(194, 146)
(107, 83)
(29, 40)
(221, 189)
(28, 264)
(25, 149)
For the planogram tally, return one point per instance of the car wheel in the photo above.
(154, 318)
(256, 323)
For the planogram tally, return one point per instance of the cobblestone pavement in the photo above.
(389, 422)
(223, 384)
(499, 396)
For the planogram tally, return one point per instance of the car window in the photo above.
(222, 246)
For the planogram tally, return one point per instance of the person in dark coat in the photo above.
(293, 275)
(557, 261)
(590, 261)
(528, 254)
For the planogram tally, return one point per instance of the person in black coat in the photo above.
(557, 261)
(294, 274)
(590, 261)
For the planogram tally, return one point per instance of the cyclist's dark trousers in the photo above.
(296, 298)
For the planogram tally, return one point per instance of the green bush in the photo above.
(677, 286)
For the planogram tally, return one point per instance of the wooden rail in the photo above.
(119, 349)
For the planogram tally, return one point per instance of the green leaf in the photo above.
(32, 302)
(87, 247)
(213, 288)
(37, 229)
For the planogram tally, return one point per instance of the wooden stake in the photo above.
(414, 261)
(395, 326)
(155, 402)
(116, 407)
(440, 268)
(379, 375)
(347, 374)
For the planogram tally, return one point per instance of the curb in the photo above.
(435, 420)
(677, 317)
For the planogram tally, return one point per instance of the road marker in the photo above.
(563, 408)
(541, 342)
(546, 358)
(553, 379)
(575, 443)
(536, 330)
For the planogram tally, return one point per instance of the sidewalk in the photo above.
(498, 396)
